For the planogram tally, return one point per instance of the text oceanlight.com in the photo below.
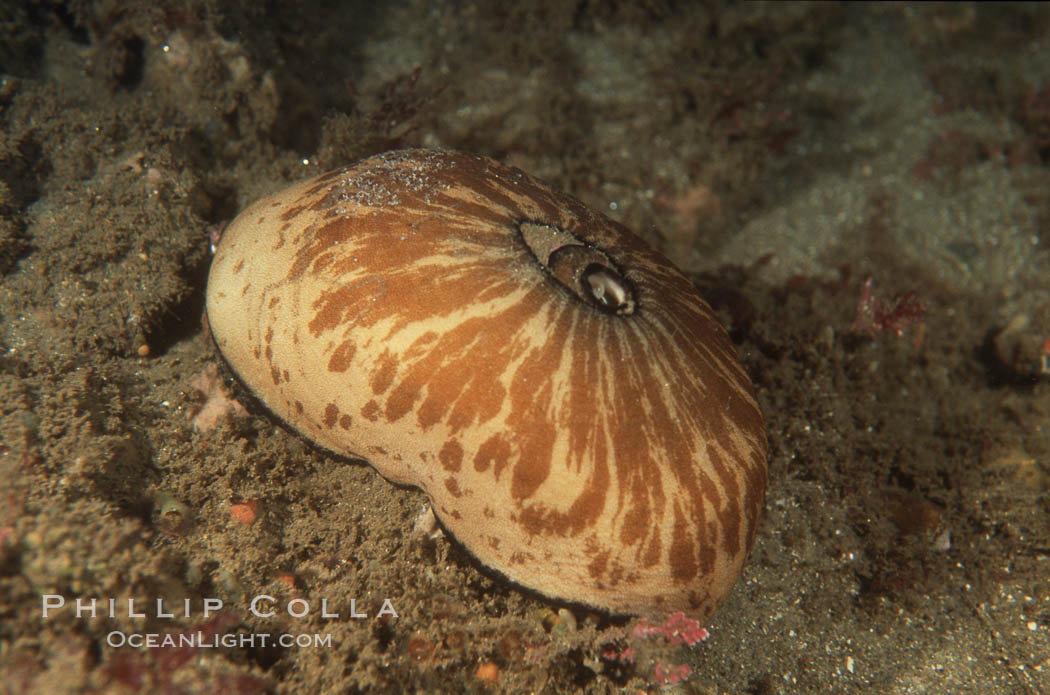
(201, 640)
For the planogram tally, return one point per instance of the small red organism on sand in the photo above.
(245, 512)
(216, 400)
(613, 654)
(676, 630)
(876, 316)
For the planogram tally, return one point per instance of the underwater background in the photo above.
(861, 192)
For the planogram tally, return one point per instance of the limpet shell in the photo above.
(571, 406)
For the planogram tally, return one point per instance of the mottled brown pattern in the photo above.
(331, 415)
(599, 566)
(452, 485)
(291, 213)
(340, 360)
(370, 411)
(451, 456)
(616, 460)
(495, 452)
(384, 369)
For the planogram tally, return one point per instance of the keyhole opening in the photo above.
(584, 270)
(606, 287)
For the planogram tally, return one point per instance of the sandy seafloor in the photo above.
(781, 154)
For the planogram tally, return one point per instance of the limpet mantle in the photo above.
(571, 406)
